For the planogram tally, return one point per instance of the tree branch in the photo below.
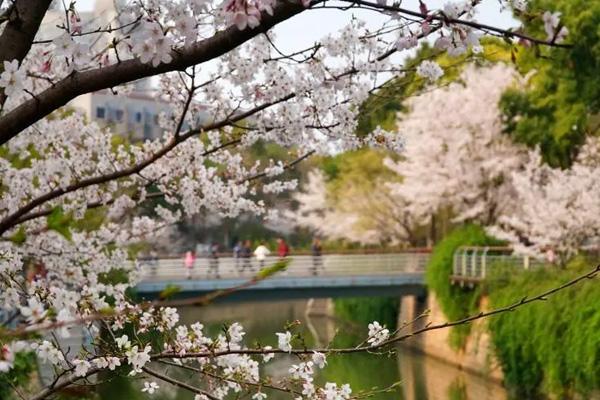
(24, 19)
(79, 83)
(285, 167)
(10, 220)
(224, 379)
(211, 354)
(71, 379)
(443, 18)
(177, 383)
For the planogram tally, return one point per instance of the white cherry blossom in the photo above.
(7, 358)
(34, 311)
(283, 341)
(81, 367)
(430, 70)
(150, 387)
(377, 334)
(319, 359)
(12, 78)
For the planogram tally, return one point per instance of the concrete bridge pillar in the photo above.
(411, 307)
(320, 320)
(319, 307)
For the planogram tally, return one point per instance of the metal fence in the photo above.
(326, 265)
(474, 263)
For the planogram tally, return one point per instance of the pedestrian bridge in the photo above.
(332, 275)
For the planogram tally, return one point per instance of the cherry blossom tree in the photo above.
(361, 209)
(229, 85)
(319, 213)
(557, 209)
(459, 159)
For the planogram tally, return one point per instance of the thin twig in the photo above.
(177, 383)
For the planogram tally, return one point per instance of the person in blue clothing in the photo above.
(237, 254)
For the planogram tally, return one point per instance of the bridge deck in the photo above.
(305, 275)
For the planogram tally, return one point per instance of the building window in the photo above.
(138, 117)
(147, 131)
(100, 112)
(156, 119)
(119, 115)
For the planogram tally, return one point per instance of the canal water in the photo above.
(417, 377)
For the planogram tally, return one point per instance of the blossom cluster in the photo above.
(228, 369)
(463, 152)
(377, 334)
(557, 208)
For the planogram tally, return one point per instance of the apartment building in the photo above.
(133, 114)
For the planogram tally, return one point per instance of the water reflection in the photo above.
(426, 378)
(420, 377)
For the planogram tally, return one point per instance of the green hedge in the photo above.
(455, 302)
(551, 347)
(544, 348)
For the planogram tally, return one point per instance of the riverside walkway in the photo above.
(330, 275)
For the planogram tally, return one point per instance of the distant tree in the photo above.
(460, 159)
(317, 212)
(557, 210)
(560, 104)
(356, 205)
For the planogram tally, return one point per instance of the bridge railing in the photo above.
(473, 264)
(300, 266)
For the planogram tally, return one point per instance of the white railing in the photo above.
(300, 266)
(474, 263)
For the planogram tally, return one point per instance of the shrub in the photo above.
(550, 347)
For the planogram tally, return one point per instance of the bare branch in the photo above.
(177, 383)
(443, 18)
(66, 382)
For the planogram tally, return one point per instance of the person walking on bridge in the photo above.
(213, 261)
(189, 261)
(261, 254)
(246, 253)
(316, 250)
(282, 248)
(237, 254)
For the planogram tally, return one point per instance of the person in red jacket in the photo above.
(282, 248)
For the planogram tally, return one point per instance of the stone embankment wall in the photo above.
(476, 357)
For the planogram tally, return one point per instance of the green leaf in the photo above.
(170, 291)
(58, 221)
(279, 266)
(19, 237)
